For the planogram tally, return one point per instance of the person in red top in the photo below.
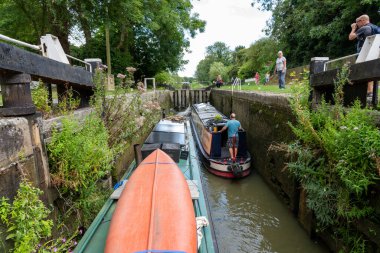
(257, 78)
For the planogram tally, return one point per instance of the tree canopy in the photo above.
(150, 35)
(311, 28)
(302, 29)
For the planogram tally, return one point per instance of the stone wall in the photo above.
(22, 152)
(265, 116)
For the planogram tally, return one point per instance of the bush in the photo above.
(26, 218)
(79, 154)
(335, 159)
(164, 78)
(40, 97)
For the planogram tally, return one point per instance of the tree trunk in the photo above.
(123, 34)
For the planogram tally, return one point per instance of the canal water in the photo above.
(248, 217)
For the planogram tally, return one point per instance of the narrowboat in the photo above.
(206, 121)
(159, 205)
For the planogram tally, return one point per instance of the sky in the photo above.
(234, 22)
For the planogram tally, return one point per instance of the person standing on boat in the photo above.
(233, 127)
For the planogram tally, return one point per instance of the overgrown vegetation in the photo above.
(240, 62)
(124, 115)
(67, 102)
(28, 224)
(26, 218)
(40, 96)
(81, 155)
(336, 159)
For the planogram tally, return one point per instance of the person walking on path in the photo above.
(280, 69)
(257, 78)
(233, 127)
(360, 30)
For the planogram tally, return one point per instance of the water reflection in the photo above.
(248, 217)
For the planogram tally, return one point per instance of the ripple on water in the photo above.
(248, 217)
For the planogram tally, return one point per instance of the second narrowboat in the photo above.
(206, 122)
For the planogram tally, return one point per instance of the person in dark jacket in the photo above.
(360, 30)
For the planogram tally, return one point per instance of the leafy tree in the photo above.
(259, 57)
(218, 68)
(203, 68)
(29, 19)
(310, 28)
(164, 78)
(150, 35)
(237, 61)
(220, 52)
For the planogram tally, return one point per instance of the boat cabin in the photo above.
(208, 121)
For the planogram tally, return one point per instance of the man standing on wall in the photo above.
(280, 69)
(233, 127)
(360, 30)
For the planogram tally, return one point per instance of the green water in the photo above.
(248, 217)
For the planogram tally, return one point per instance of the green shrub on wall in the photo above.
(79, 157)
(336, 159)
(124, 115)
(40, 96)
(26, 218)
(79, 153)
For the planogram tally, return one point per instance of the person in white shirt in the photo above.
(280, 69)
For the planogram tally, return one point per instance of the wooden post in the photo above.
(17, 98)
(375, 96)
(317, 65)
(174, 99)
(191, 97)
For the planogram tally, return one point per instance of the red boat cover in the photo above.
(155, 210)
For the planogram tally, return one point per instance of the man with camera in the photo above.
(360, 31)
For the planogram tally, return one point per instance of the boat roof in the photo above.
(167, 131)
(208, 112)
(169, 126)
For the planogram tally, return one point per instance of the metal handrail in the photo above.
(72, 57)
(237, 82)
(6, 38)
(338, 59)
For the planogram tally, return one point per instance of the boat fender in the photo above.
(118, 184)
(236, 169)
(201, 222)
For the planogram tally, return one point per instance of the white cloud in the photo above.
(234, 22)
